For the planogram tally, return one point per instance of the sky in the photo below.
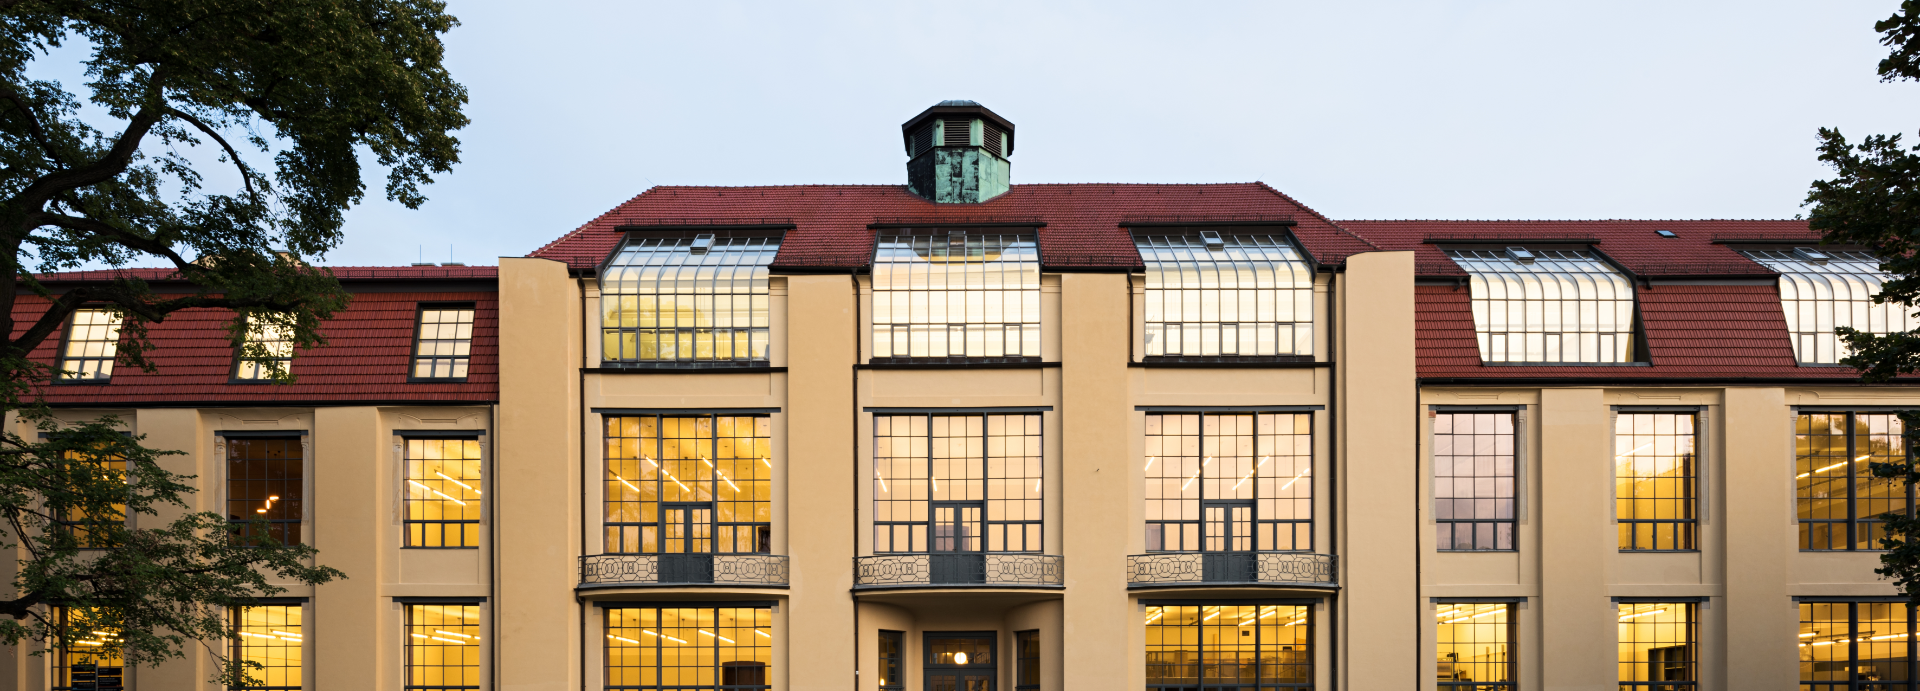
(1361, 110)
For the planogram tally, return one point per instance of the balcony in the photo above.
(976, 570)
(1232, 568)
(622, 570)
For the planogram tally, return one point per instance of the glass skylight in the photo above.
(956, 296)
(1548, 306)
(1823, 289)
(1232, 296)
(687, 300)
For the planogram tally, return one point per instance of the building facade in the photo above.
(966, 434)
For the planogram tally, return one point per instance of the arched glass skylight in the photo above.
(687, 300)
(1824, 289)
(1548, 306)
(1209, 295)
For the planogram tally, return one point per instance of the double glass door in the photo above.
(956, 556)
(1226, 541)
(960, 662)
(686, 544)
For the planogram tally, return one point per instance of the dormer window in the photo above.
(1548, 306)
(277, 342)
(953, 295)
(443, 344)
(699, 300)
(93, 339)
(1821, 290)
(1226, 296)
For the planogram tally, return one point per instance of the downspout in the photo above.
(1333, 466)
(853, 434)
(581, 383)
(1419, 613)
(493, 534)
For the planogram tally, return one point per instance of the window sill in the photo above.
(82, 382)
(440, 380)
(679, 367)
(956, 363)
(1660, 551)
(1565, 364)
(1845, 551)
(1478, 551)
(431, 547)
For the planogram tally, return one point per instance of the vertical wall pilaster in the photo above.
(1578, 629)
(349, 646)
(1095, 414)
(1761, 536)
(821, 350)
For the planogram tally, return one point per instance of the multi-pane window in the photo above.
(1474, 646)
(1856, 646)
(1026, 661)
(1229, 646)
(892, 647)
(1655, 483)
(958, 295)
(688, 484)
(270, 636)
(93, 338)
(1657, 646)
(1839, 499)
(957, 483)
(1229, 482)
(698, 301)
(276, 342)
(443, 492)
(443, 647)
(1249, 295)
(1824, 289)
(687, 648)
(89, 656)
(444, 344)
(97, 531)
(1548, 306)
(266, 479)
(1473, 481)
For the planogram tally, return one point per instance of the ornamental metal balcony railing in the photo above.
(1237, 568)
(683, 569)
(987, 569)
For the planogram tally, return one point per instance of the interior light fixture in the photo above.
(443, 476)
(959, 658)
(623, 481)
(1149, 463)
(1625, 617)
(1243, 480)
(883, 482)
(723, 477)
(617, 638)
(1296, 478)
(763, 634)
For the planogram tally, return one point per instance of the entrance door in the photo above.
(956, 556)
(686, 547)
(1226, 537)
(961, 661)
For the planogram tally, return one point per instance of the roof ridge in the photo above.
(1572, 220)
(1316, 214)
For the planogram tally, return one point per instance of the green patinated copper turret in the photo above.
(957, 153)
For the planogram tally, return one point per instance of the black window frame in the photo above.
(408, 626)
(1853, 666)
(1260, 524)
(767, 672)
(1854, 522)
(236, 619)
(1449, 523)
(298, 521)
(1691, 647)
(1310, 618)
(419, 324)
(893, 666)
(1694, 502)
(1512, 653)
(1025, 642)
(407, 498)
(984, 505)
(240, 358)
(761, 531)
(64, 666)
(66, 339)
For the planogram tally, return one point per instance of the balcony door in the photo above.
(956, 556)
(686, 550)
(1226, 532)
(961, 661)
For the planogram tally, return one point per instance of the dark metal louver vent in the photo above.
(922, 140)
(992, 138)
(958, 133)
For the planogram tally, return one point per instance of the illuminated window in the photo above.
(266, 479)
(1473, 481)
(1475, 646)
(1026, 670)
(1229, 646)
(697, 301)
(1548, 306)
(270, 636)
(93, 338)
(1656, 500)
(958, 295)
(444, 343)
(957, 483)
(689, 648)
(90, 657)
(892, 647)
(1846, 643)
(277, 341)
(443, 647)
(689, 484)
(96, 532)
(1226, 296)
(1657, 646)
(443, 492)
(1229, 482)
(1838, 497)
(1822, 289)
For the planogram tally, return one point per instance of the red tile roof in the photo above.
(344, 273)
(1083, 228)
(1631, 243)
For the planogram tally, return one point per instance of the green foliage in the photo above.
(288, 98)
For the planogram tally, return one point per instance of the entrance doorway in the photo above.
(961, 661)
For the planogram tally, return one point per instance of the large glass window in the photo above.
(695, 301)
(1247, 295)
(1026, 671)
(957, 483)
(90, 655)
(1658, 646)
(1856, 646)
(958, 295)
(443, 492)
(686, 484)
(93, 338)
(443, 647)
(1229, 646)
(1229, 482)
(687, 648)
(1656, 497)
(1548, 306)
(1473, 481)
(892, 647)
(1824, 289)
(444, 344)
(277, 343)
(99, 531)
(266, 480)
(270, 636)
(1475, 646)
(1838, 498)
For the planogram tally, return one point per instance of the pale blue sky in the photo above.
(1477, 110)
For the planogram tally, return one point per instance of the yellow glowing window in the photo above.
(689, 648)
(1848, 641)
(443, 647)
(1655, 483)
(271, 637)
(89, 654)
(699, 300)
(276, 342)
(691, 484)
(443, 492)
(1839, 501)
(1658, 646)
(444, 345)
(1474, 646)
(1237, 645)
(93, 338)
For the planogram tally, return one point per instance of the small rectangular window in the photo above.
(93, 339)
(277, 341)
(444, 344)
(1226, 296)
(1473, 481)
(443, 492)
(270, 636)
(89, 656)
(951, 296)
(1475, 646)
(443, 647)
(266, 480)
(1026, 672)
(892, 643)
(1655, 496)
(1658, 646)
(1841, 642)
(1839, 501)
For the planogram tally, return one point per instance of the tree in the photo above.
(285, 98)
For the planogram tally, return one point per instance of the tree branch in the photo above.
(108, 166)
(246, 174)
(115, 233)
(33, 121)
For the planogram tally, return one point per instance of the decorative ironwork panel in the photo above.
(1199, 567)
(988, 568)
(646, 569)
